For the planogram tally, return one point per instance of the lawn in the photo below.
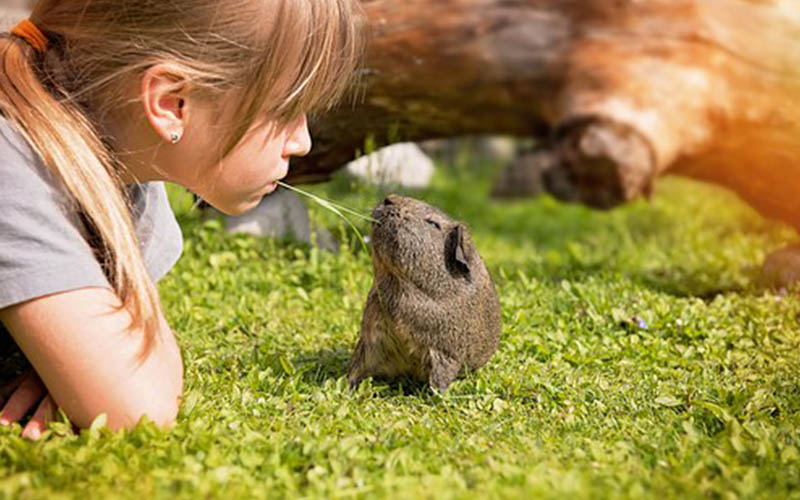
(640, 356)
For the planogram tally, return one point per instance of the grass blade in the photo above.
(336, 209)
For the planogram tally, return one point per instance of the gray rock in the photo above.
(782, 268)
(499, 149)
(403, 164)
(281, 215)
(525, 176)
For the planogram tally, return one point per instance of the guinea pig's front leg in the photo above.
(368, 355)
(359, 369)
(444, 369)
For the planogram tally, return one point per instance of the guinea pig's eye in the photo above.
(434, 224)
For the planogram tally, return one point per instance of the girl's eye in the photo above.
(434, 224)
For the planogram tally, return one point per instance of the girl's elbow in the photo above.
(155, 399)
(160, 407)
(162, 402)
(163, 413)
(163, 409)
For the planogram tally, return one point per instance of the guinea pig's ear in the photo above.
(460, 256)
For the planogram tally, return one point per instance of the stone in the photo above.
(525, 176)
(782, 268)
(495, 149)
(403, 164)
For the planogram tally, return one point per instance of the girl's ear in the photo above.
(163, 96)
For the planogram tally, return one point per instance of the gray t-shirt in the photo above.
(43, 246)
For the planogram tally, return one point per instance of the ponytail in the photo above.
(59, 131)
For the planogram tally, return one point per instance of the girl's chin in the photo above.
(250, 202)
(272, 186)
(242, 206)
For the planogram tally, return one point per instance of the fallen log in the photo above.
(620, 92)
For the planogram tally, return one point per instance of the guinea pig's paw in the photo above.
(354, 382)
(356, 375)
(444, 369)
(359, 366)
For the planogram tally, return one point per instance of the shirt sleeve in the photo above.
(42, 247)
(160, 236)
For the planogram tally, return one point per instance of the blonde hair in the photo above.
(280, 58)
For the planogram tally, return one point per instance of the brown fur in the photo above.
(433, 309)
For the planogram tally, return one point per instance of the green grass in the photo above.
(579, 401)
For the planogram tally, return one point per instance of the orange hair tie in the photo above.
(31, 34)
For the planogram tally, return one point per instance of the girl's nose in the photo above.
(298, 142)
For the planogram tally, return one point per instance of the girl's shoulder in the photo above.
(44, 246)
(19, 165)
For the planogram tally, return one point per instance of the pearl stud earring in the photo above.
(175, 137)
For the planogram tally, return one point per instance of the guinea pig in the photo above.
(433, 310)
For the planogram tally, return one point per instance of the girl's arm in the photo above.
(91, 363)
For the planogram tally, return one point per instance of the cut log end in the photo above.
(601, 163)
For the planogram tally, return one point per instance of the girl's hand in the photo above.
(22, 395)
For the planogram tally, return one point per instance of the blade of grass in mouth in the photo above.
(336, 209)
(327, 204)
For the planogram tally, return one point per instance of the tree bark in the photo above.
(621, 91)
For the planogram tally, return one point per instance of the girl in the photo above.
(100, 101)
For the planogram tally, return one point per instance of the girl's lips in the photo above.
(272, 186)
